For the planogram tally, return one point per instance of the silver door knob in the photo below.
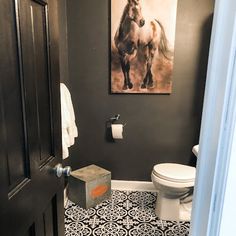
(59, 170)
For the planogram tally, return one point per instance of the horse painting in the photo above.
(137, 41)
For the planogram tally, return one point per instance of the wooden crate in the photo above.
(89, 186)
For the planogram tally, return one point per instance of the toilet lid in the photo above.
(175, 172)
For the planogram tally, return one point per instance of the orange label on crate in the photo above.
(99, 191)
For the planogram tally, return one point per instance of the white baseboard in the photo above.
(65, 196)
(132, 185)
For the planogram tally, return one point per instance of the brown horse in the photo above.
(135, 35)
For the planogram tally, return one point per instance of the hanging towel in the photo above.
(69, 128)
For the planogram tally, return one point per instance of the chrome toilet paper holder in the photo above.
(112, 120)
(115, 118)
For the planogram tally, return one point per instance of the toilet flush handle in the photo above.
(59, 170)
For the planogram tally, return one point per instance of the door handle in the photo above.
(59, 170)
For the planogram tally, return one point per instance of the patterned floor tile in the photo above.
(125, 214)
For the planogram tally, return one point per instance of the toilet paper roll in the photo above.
(117, 131)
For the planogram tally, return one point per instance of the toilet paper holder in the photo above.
(115, 118)
(111, 121)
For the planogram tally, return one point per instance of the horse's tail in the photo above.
(163, 44)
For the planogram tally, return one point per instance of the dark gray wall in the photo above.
(160, 128)
(63, 42)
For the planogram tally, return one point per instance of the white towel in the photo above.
(69, 128)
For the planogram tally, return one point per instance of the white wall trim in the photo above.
(65, 196)
(227, 136)
(217, 122)
(228, 214)
(125, 185)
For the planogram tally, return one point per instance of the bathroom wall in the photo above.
(63, 42)
(160, 128)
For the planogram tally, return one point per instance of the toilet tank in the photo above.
(195, 150)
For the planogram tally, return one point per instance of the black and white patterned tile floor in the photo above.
(125, 214)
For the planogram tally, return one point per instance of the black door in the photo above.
(31, 196)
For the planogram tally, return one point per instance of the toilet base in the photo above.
(185, 210)
(168, 208)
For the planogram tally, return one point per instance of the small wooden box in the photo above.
(89, 186)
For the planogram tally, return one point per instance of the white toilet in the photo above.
(174, 184)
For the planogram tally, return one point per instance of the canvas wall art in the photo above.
(142, 46)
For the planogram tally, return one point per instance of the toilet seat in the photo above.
(175, 172)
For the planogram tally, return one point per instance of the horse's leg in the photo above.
(145, 54)
(148, 79)
(149, 74)
(125, 65)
